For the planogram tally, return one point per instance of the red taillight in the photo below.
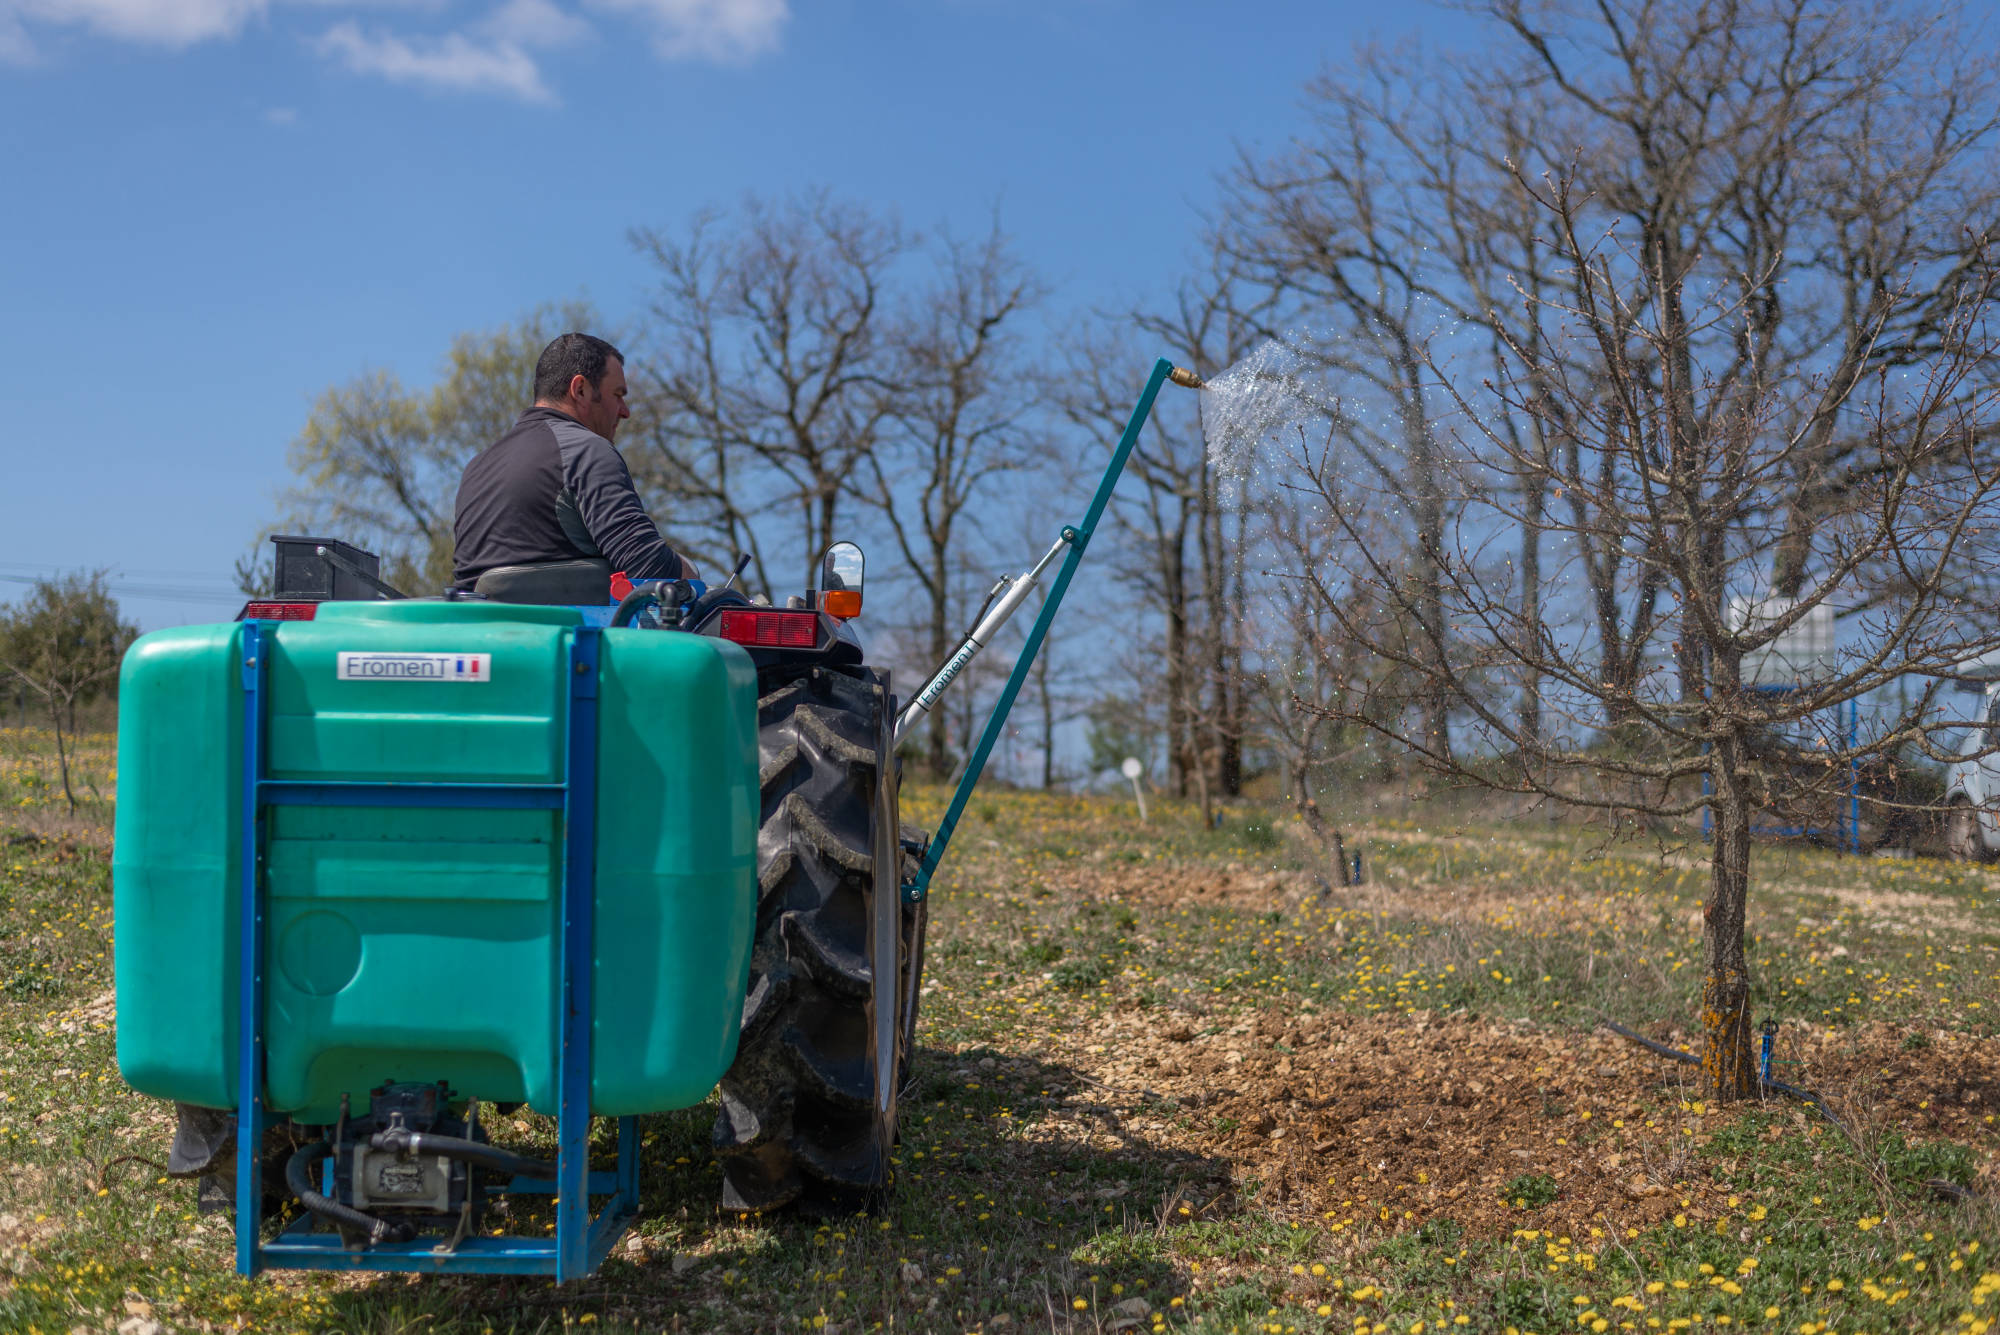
(273, 611)
(764, 629)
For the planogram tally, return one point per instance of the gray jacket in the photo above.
(552, 489)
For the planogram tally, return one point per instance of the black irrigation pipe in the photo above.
(1805, 1096)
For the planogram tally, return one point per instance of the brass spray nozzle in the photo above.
(1186, 379)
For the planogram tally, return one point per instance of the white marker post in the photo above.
(1133, 769)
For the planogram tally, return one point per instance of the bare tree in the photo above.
(1206, 330)
(1757, 381)
(1322, 229)
(770, 357)
(1185, 520)
(1094, 395)
(64, 643)
(1312, 672)
(959, 392)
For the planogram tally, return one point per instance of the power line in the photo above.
(141, 589)
(46, 568)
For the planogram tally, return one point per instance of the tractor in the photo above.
(386, 867)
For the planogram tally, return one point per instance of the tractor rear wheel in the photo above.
(808, 1107)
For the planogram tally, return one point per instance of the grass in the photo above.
(1128, 1106)
(31, 793)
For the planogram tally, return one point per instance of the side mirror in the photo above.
(840, 581)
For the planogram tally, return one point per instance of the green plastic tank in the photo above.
(421, 944)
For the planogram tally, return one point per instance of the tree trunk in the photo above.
(937, 739)
(1216, 651)
(1534, 486)
(1302, 796)
(966, 719)
(62, 756)
(1048, 702)
(829, 505)
(1728, 1065)
(1420, 449)
(1225, 616)
(1180, 746)
(1200, 776)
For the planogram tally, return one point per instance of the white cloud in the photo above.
(281, 115)
(171, 23)
(534, 23)
(728, 32)
(15, 48)
(488, 52)
(454, 61)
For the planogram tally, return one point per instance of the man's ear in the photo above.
(579, 387)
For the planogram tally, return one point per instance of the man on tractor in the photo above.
(549, 509)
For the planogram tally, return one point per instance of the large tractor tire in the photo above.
(809, 1106)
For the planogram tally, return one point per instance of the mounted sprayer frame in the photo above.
(1070, 544)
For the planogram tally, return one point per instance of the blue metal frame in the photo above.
(1078, 537)
(580, 1243)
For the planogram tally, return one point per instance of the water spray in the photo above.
(1012, 590)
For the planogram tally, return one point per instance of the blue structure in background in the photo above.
(580, 1243)
(1847, 830)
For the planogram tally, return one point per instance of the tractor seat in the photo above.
(586, 580)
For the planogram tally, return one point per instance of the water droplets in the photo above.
(1269, 396)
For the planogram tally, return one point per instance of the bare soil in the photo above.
(1385, 1121)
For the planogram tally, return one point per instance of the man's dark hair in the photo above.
(572, 355)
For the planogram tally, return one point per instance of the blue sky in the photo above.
(217, 208)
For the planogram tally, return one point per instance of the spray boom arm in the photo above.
(1070, 547)
(1013, 591)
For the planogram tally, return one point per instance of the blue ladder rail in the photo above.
(581, 1242)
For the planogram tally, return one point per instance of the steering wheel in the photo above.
(702, 608)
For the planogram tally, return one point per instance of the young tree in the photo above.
(1311, 671)
(1749, 371)
(769, 361)
(64, 642)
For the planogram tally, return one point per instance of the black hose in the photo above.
(1649, 1044)
(469, 1151)
(668, 594)
(298, 1178)
(1775, 1086)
